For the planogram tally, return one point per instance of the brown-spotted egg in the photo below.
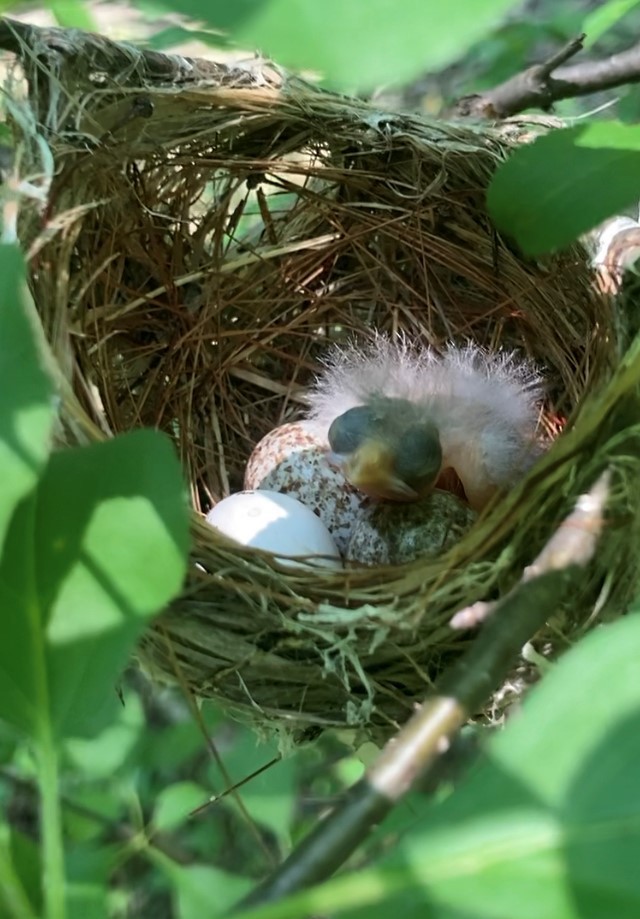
(390, 534)
(292, 459)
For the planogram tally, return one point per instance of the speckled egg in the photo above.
(390, 534)
(292, 459)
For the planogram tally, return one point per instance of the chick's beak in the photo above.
(370, 469)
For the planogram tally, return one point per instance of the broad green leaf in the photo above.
(165, 752)
(174, 804)
(360, 44)
(92, 805)
(103, 755)
(604, 17)
(177, 35)
(97, 550)
(565, 183)
(92, 865)
(73, 14)
(26, 393)
(548, 825)
(200, 891)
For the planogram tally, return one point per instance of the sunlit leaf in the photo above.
(174, 804)
(360, 44)
(26, 393)
(565, 183)
(73, 14)
(604, 17)
(177, 35)
(90, 557)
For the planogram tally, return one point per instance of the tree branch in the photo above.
(125, 64)
(543, 84)
(410, 756)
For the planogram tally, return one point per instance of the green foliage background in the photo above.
(103, 776)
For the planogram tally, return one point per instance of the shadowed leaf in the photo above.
(551, 191)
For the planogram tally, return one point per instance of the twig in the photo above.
(215, 799)
(563, 549)
(410, 755)
(543, 84)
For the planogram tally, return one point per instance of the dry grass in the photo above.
(203, 242)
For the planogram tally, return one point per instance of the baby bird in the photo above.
(401, 420)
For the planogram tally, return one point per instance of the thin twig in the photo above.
(463, 689)
(215, 799)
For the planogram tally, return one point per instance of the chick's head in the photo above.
(387, 450)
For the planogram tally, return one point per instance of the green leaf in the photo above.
(87, 901)
(177, 35)
(73, 14)
(165, 752)
(103, 755)
(96, 551)
(174, 804)
(20, 872)
(200, 891)
(565, 183)
(28, 865)
(26, 393)
(360, 44)
(548, 825)
(604, 17)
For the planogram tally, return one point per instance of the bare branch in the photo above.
(411, 755)
(543, 84)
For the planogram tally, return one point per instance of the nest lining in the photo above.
(206, 240)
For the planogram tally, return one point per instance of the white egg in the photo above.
(278, 524)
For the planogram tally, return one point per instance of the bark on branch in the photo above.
(543, 84)
(124, 63)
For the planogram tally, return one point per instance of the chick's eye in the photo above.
(348, 431)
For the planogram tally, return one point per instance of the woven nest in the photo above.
(209, 233)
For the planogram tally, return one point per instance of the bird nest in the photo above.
(208, 233)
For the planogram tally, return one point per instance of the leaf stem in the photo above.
(51, 822)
